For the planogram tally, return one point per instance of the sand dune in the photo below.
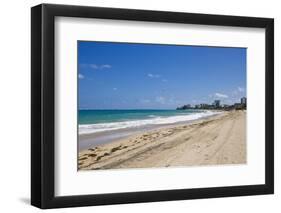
(217, 140)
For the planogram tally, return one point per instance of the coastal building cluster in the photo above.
(217, 105)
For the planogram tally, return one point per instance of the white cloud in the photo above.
(114, 88)
(240, 89)
(150, 75)
(98, 67)
(105, 66)
(93, 66)
(164, 80)
(80, 76)
(220, 95)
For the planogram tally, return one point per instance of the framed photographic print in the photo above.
(139, 106)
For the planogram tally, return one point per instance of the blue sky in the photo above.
(149, 76)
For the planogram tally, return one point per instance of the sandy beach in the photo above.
(217, 140)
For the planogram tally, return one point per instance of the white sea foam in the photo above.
(101, 127)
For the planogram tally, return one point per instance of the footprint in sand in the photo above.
(195, 146)
(101, 156)
(84, 158)
(214, 137)
(114, 149)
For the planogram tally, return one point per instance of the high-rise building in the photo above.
(244, 101)
(217, 103)
(203, 105)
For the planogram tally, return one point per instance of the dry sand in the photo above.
(217, 140)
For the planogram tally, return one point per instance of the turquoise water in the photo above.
(109, 116)
(94, 121)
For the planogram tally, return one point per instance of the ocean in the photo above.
(94, 121)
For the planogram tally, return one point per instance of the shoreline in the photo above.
(218, 139)
(90, 140)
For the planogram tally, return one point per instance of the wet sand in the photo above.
(216, 140)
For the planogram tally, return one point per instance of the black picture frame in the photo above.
(43, 114)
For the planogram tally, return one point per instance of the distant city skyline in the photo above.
(154, 76)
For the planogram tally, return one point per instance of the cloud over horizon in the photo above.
(240, 89)
(100, 67)
(96, 66)
(150, 75)
(220, 95)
